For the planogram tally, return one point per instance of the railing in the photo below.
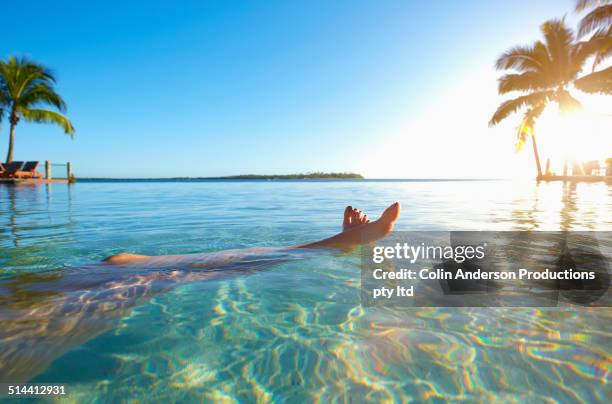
(585, 170)
(594, 171)
(58, 171)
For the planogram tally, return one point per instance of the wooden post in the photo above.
(47, 169)
(577, 168)
(68, 170)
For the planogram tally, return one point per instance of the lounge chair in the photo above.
(11, 168)
(28, 170)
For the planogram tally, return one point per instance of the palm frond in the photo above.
(601, 43)
(18, 75)
(598, 82)
(582, 5)
(583, 50)
(527, 81)
(559, 40)
(601, 56)
(557, 35)
(520, 58)
(598, 18)
(45, 116)
(25, 64)
(509, 107)
(527, 125)
(4, 98)
(42, 93)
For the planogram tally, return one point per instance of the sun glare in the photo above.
(582, 134)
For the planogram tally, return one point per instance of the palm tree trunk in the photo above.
(9, 155)
(536, 155)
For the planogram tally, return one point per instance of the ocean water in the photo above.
(280, 327)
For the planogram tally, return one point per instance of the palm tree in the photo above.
(598, 24)
(24, 86)
(543, 73)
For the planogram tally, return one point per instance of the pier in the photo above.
(577, 178)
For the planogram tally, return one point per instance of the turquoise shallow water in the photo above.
(294, 331)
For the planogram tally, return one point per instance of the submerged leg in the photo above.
(79, 304)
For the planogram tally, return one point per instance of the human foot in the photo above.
(360, 233)
(389, 216)
(380, 228)
(353, 218)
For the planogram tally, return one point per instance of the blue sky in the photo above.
(206, 88)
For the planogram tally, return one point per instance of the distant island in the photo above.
(306, 176)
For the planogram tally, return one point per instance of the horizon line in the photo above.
(274, 178)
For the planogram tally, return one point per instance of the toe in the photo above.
(391, 213)
(361, 217)
(347, 215)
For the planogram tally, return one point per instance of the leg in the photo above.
(356, 229)
(125, 258)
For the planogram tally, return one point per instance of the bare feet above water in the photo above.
(358, 229)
